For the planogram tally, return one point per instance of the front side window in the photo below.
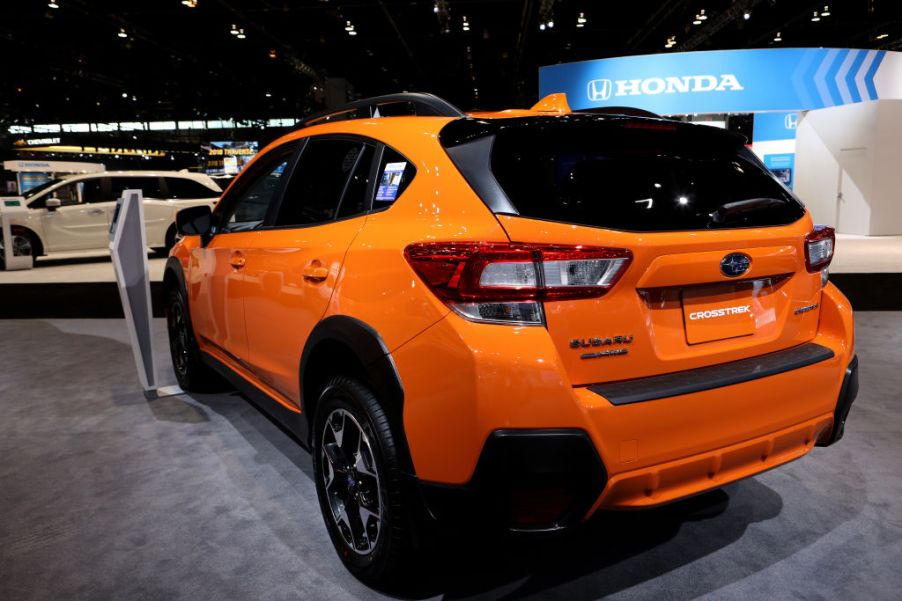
(329, 170)
(246, 208)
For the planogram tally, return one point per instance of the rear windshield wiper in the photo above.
(731, 210)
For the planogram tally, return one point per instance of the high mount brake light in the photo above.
(819, 245)
(505, 283)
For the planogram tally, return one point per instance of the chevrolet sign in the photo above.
(602, 89)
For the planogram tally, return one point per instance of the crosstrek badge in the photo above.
(718, 312)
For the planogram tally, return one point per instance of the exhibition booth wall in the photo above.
(826, 120)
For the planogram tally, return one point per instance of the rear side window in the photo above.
(395, 174)
(637, 176)
(180, 188)
(319, 181)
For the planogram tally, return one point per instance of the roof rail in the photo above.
(421, 103)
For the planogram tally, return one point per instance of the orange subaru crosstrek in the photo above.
(515, 318)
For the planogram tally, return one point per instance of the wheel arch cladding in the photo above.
(344, 345)
(173, 276)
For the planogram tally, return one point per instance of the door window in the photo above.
(328, 170)
(92, 190)
(68, 194)
(246, 208)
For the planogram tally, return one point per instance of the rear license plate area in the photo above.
(718, 312)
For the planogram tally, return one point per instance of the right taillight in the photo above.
(506, 283)
(819, 246)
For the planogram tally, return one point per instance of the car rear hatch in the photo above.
(717, 267)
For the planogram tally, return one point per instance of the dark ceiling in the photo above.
(105, 60)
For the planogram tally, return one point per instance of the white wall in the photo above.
(855, 149)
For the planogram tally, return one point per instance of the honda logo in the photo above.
(791, 120)
(600, 89)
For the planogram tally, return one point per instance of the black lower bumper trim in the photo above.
(715, 376)
(526, 480)
(847, 395)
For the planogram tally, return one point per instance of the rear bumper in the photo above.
(651, 451)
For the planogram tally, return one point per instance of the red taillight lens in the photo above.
(819, 245)
(504, 282)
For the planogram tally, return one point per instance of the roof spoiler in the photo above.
(419, 103)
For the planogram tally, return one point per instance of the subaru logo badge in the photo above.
(600, 89)
(735, 264)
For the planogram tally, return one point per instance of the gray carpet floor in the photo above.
(105, 495)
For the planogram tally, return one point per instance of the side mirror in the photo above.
(194, 221)
(53, 204)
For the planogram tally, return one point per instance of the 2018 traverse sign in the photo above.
(729, 81)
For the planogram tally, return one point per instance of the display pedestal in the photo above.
(9, 209)
(128, 247)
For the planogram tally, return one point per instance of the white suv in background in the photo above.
(72, 214)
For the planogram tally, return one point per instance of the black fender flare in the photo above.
(378, 367)
(174, 267)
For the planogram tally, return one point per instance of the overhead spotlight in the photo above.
(671, 42)
(122, 33)
(435, 8)
(747, 15)
(190, 3)
(815, 17)
(778, 37)
(124, 95)
(240, 35)
(268, 95)
(53, 4)
(550, 24)
(882, 36)
(234, 29)
(581, 20)
(272, 53)
(826, 11)
(465, 25)
(702, 16)
(541, 26)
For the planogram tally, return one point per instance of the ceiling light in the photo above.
(122, 33)
(826, 11)
(882, 36)
(352, 32)
(53, 4)
(465, 25)
(272, 53)
(581, 20)
(124, 95)
(550, 24)
(701, 15)
(240, 34)
(746, 15)
(815, 17)
(542, 26)
(268, 95)
(190, 3)
(778, 37)
(234, 29)
(349, 26)
(435, 8)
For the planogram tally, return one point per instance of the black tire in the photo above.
(192, 373)
(22, 241)
(385, 553)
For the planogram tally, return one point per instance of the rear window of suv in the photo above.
(632, 175)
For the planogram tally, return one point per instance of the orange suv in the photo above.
(515, 318)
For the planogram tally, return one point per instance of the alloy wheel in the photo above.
(179, 335)
(351, 481)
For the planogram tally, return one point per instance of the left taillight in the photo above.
(819, 245)
(506, 283)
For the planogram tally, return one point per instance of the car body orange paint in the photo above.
(464, 380)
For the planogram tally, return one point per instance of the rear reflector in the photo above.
(504, 283)
(819, 246)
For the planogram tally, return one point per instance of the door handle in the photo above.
(315, 272)
(237, 259)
